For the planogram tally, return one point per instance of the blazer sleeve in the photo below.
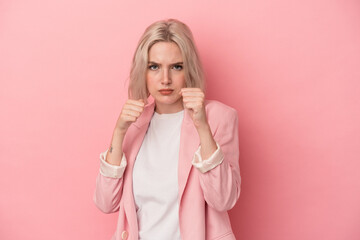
(109, 185)
(221, 183)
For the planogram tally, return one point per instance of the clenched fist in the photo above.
(130, 112)
(193, 99)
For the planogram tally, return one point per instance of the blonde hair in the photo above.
(169, 30)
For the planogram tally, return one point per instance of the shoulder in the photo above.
(222, 118)
(214, 107)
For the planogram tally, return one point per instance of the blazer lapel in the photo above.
(189, 142)
(135, 137)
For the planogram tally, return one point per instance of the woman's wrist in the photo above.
(119, 132)
(207, 142)
(203, 127)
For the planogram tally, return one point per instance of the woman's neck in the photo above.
(168, 109)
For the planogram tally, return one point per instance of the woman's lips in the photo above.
(166, 91)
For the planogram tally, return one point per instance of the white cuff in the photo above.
(109, 170)
(205, 165)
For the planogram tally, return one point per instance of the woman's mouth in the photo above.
(166, 91)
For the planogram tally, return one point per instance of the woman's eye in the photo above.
(153, 67)
(178, 67)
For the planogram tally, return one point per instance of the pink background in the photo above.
(290, 68)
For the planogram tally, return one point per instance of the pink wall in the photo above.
(290, 68)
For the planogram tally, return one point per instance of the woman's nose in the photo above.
(166, 79)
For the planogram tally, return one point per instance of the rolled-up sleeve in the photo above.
(205, 165)
(109, 170)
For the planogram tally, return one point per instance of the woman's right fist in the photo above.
(131, 110)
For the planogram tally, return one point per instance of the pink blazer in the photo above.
(204, 198)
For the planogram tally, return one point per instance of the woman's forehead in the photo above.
(167, 52)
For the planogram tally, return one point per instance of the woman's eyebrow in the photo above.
(152, 62)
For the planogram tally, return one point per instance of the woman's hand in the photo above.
(130, 112)
(193, 99)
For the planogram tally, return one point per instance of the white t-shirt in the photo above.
(155, 178)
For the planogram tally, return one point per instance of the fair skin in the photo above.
(165, 81)
(165, 71)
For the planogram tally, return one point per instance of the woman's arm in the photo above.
(207, 142)
(220, 174)
(109, 182)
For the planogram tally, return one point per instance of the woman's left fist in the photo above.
(193, 100)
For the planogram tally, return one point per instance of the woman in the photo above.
(172, 167)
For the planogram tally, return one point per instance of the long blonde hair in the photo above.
(169, 30)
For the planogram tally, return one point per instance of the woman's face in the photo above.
(165, 77)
